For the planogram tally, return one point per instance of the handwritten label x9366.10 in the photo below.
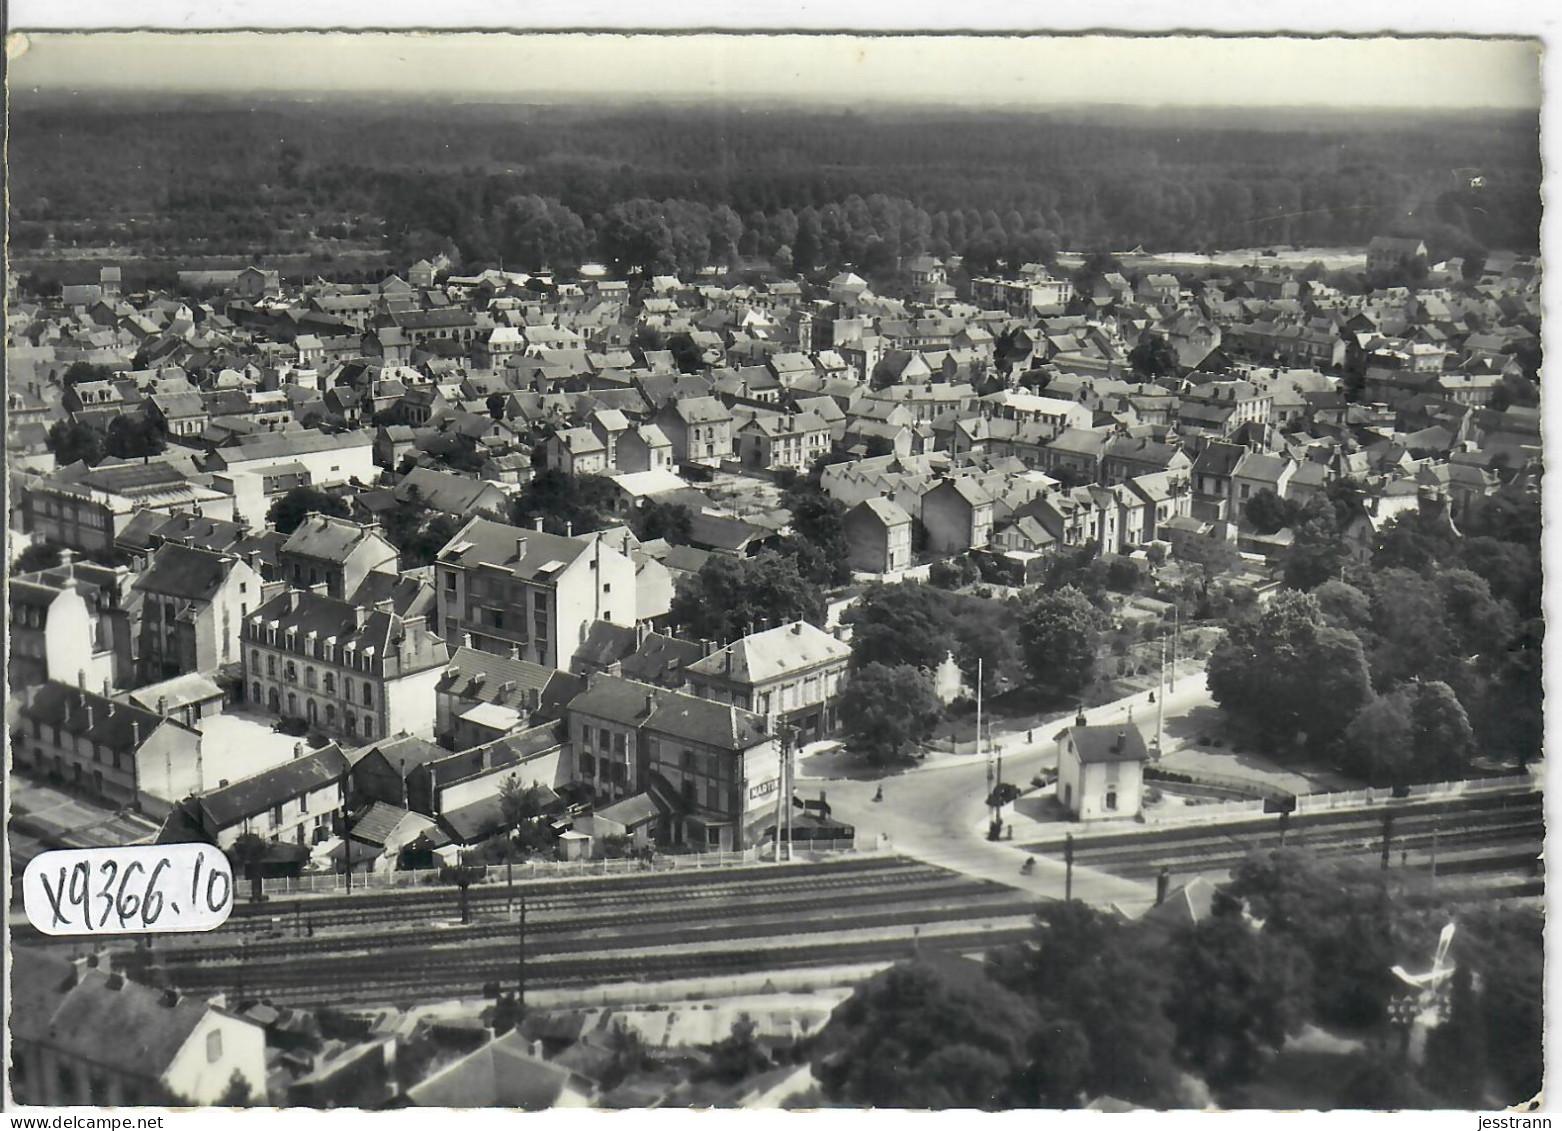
(136, 889)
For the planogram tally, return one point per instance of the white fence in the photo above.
(324, 882)
(1322, 802)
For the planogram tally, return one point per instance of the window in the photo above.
(352, 724)
(588, 765)
(309, 678)
(330, 683)
(214, 1046)
(604, 739)
(1111, 799)
(368, 694)
(291, 672)
(368, 727)
(585, 734)
(347, 686)
(330, 714)
(254, 657)
(713, 837)
(619, 745)
(450, 582)
(276, 816)
(303, 803)
(271, 667)
(292, 703)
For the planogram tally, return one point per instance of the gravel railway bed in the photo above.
(392, 956)
(802, 903)
(1515, 821)
(473, 978)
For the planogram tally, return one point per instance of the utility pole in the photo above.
(1160, 703)
(1176, 639)
(1068, 868)
(1388, 833)
(520, 959)
(781, 798)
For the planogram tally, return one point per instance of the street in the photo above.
(937, 811)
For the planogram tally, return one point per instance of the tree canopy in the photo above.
(298, 503)
(1059, 633)
(730, 597)
(885, 710)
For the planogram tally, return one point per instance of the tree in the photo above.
(671, 522)
(1154, 357)
(686, 355)
(495, 403)
(135, 437)
(1288, 676)
(900, 624)
(1456, 1052)
(1318, 551)
(820, 520)
(1344, 606)
(1340, 914)
(567, 504)
(238, 1092)
(1059, 634)
(1266, 512)
(80, 371)
(38, 556)
(288, 512)
(70, 442)
(628, 1051)
(1237, 993)
(885, 709)
(521, 807)
(730, 597)
(924, 1036)
(1094, 974)
(736, 1056)
(247, 853)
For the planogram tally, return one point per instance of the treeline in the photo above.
(1140, 1011)
(663, 188)
(1405, 668)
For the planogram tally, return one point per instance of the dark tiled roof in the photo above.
(251, 797)
(671, 713)
(89, 715)
(181, 571)
(107, 1021)
(525, 553)
(1109, 744)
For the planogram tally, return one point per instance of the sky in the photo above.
(835, 69)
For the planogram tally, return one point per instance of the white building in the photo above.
(1101, 770)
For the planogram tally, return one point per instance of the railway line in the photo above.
(1492, 833)
(378, 952)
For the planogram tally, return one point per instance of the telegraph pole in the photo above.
(780, 790)
(1068, 868)
(1176, 639)
(520, 959)
(1160, 703)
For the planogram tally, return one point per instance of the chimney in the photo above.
(135, 732)
(298, 750)
(650, 703)
(90, 713)
(1079, 717)
(569, 528)
(797, 629)
(162, 705)
(108, 687)
(1162, 883)
(81, 678)
(537, 525)
(515, 651)
(1122, 742)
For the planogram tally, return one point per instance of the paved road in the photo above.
(937, 812)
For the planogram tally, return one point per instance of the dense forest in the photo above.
(681, 187)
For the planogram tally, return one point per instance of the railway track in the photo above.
(1487, 833)
(379, 952)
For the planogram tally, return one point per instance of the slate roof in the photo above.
(408, 752)
(671, 713)
(253, 796)
(186, 573)
(111, 724)
(105, 1020)
(502, 1073)
(764, 656)
(1101, 744)
(660, 660)
(524, 553)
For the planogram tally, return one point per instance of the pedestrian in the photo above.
(1030, 736)
(1008, 831)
